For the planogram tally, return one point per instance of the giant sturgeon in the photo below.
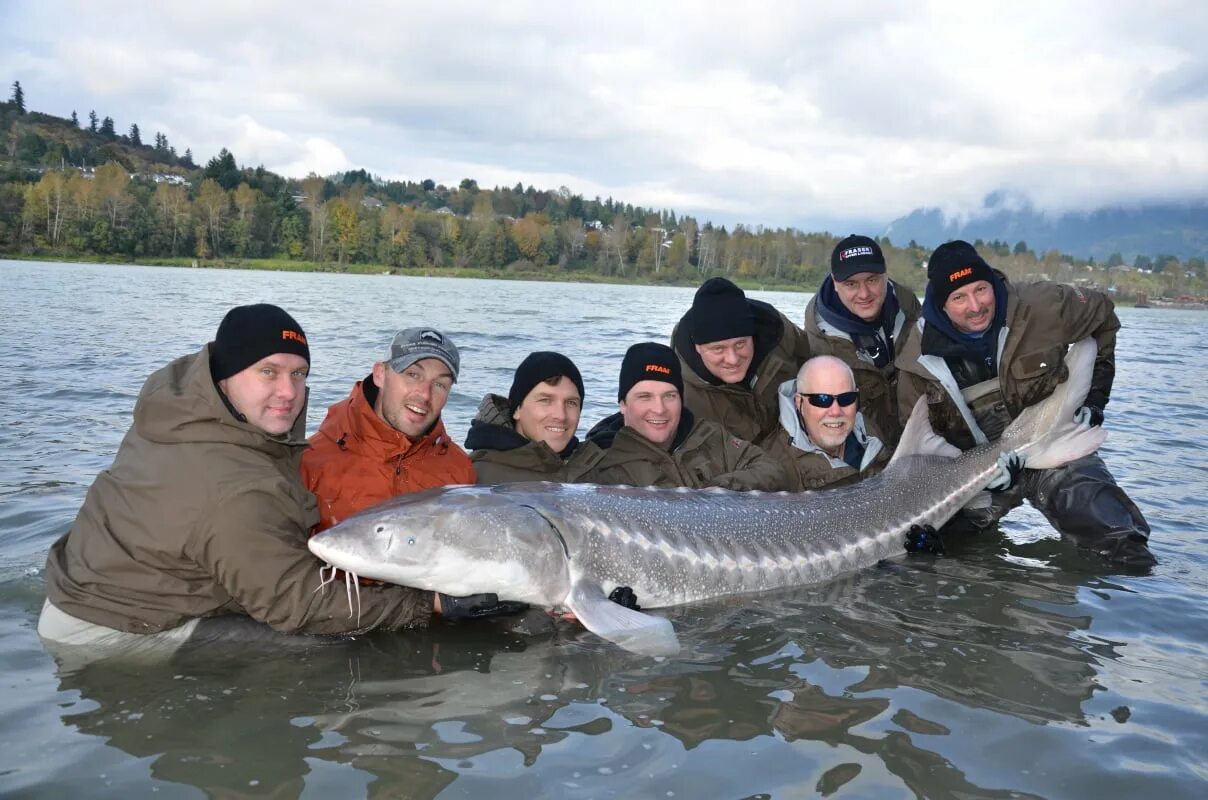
(566, 546)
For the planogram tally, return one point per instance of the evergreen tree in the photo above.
(135, 137)
(187, 159)
(92, 122)
(107, 128)
(75, 121)
(18, 98)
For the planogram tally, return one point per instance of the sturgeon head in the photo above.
(458, 540)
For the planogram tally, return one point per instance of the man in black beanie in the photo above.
(735, 352)
(655, 441)
(862, 317)
(203, 512)
(986, 350)
(530, 434)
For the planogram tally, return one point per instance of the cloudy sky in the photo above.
(826, 116)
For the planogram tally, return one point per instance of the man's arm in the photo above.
(1083, 313)
(254, 545)
(748, 467)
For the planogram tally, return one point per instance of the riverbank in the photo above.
(506, 274)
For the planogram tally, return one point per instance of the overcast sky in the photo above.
(830, 116)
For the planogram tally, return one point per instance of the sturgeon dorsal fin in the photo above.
(918, 439)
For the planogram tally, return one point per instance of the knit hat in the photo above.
(649, 361)
(535, 368)
(854, 255)
(415, 344)
(250, 333)
(720, 311)
(953, 265)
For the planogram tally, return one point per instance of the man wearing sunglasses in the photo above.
(825, 440)
(862, 317)
(985, 351)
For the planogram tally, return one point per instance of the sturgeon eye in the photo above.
(411, 540)
(380, 529)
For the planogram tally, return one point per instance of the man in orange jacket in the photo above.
(387, 438)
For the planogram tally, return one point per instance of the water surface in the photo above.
(1016, 667)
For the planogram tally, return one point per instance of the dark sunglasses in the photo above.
(824, 400)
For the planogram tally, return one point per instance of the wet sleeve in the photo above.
(1085, 312)
(254, 546)
(750, 468)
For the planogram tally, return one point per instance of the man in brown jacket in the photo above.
(203, 512)
(530, 434)
(654, 440)
(862, 317)
(825, 439)
(734, 354)
(986, 350)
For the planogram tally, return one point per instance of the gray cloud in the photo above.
(810, 117)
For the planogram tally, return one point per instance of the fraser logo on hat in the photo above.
(855, 251)
(854, 255)
(953, 265)
(960, 273)
(659, 368)
(294, 335)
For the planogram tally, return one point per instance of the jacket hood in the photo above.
(181, 404)
(355, 416)
(791, 422)
(604, 432)
(494, 428)
(769, 330)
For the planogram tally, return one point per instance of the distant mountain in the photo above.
(1157, 229)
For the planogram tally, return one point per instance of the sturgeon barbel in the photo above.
(567, 546)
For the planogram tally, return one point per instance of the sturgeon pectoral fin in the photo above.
(632, 630)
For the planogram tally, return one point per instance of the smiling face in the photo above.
(863, 294)
(828, 427)
(270, 393)
(410, 401)
(971, 307)
(550, 413)
(729, 359)
(653, 409)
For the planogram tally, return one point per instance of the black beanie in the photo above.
(854, 255)
(250, 333)
(649, 361)
(953, 265)
(535, 368)
(720, 311)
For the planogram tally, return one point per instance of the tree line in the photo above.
(82, 191)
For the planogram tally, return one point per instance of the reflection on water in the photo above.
(1016, 667)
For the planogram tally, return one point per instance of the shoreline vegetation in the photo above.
(520, 273)
(76, 190)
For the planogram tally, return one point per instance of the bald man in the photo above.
(824, 440)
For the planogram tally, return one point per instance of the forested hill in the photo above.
(76, 188)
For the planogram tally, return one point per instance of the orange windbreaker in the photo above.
(356, 459)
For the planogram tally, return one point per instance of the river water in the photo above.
(1015, 667)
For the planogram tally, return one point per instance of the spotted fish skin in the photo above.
(568, 545)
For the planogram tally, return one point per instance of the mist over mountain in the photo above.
(1177, 229)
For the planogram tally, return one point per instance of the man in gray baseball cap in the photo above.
(387, 438)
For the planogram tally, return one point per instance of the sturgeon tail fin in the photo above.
(1046, 434)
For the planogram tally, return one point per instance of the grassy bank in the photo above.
(286, 265)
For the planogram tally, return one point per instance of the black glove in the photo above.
(924, 539)
(624, 596)
(1010, 466)
(477, 605)
(1088, 414)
